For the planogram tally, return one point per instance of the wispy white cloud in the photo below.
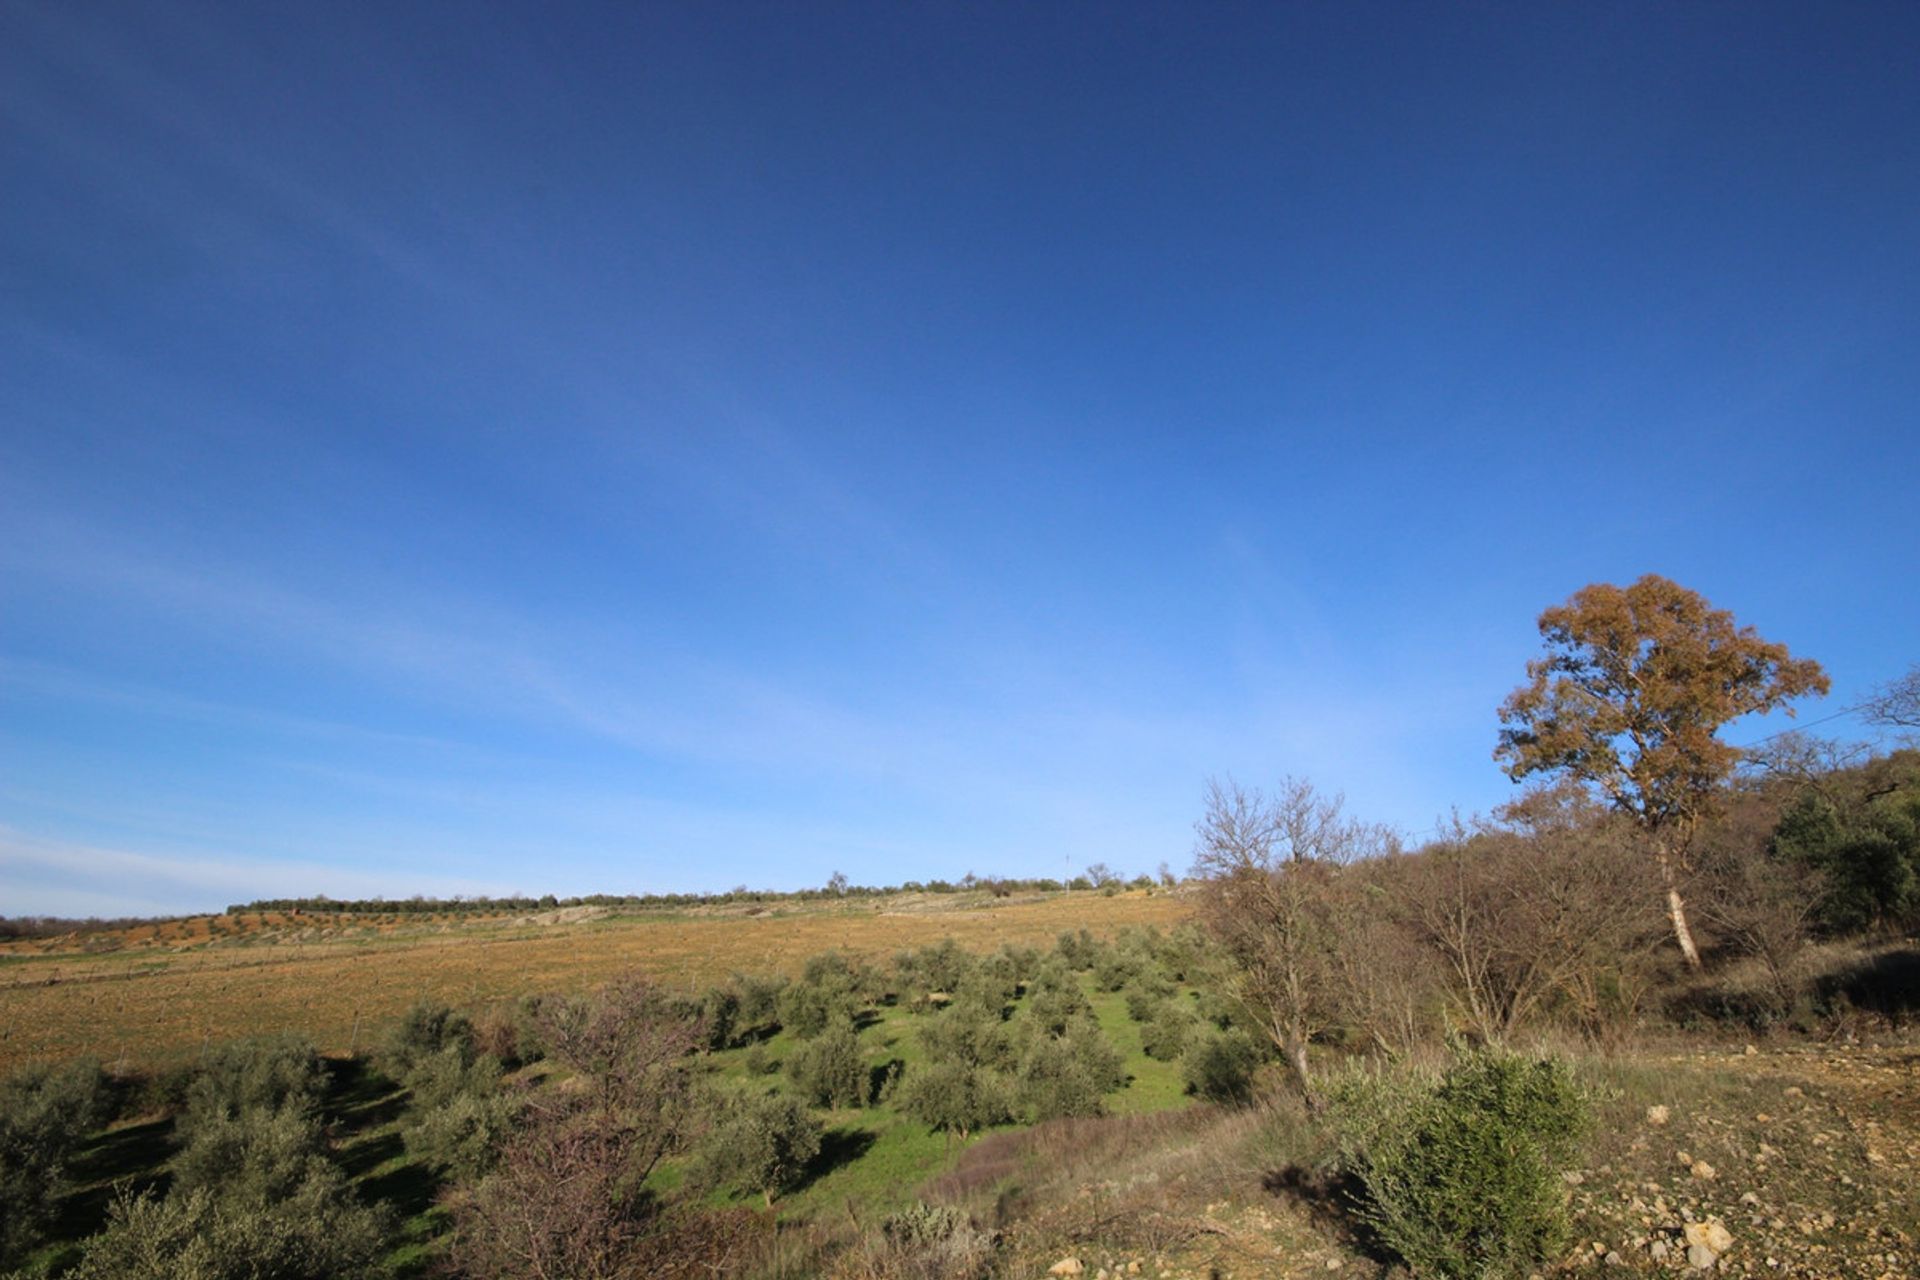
(63, 878)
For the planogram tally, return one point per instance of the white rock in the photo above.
(1658, 1115)
(1066, 1267)
(1711, 1235)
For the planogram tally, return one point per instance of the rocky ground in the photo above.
(1799, 1161)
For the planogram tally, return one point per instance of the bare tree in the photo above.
(569, 1197)
(1896, 704)
(1268, 866)
(1526, 918)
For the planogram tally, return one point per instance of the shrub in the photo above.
(318, 1232)
(959, 1097)
(760, 1142)
(1219, 1065)
(963, 1034)
(1462, 1178)
(427, 1029)
(1117, 966)
(1068, 1075)
(719, 1015)
(830, 1070)
(1146, 993)
(759, 1003)
(1054, 1000)
(271, 1073)
(261, 1154)
(457, 1115)
(566, 1199)
(926, 1242)
(44, 1114)
(1164, 1038)
(828, 994)
(1077, 950)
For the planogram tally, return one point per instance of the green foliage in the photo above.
(271, 1073)
(720, 1016)
(261, 1154)
(941, 967)
(1054, 999)
(830, 992)
(317, 1232)
(1869, 858)
(1068, 1074)
(1462, 1177)
(1219, 1065)
(759, 1003)
(963, 1034)
(830, 1070)
(1165, 1036)
(1117, 966)
(760, 1143)
(457, 1112)
(986, 992)
(44, 1114)
(1077, 950)
(954, 1095)
(427, 1029)
(1147, 994)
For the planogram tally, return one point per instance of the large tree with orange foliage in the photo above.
(1629, 699)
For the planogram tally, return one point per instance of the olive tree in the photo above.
(1629, 699)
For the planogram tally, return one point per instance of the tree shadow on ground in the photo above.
(132, 1158)
(838, 1148)
(878, 1077)
(1330, 1199)
(359, 1159)
(1887, 984)
(408, 1189)
(360, 1097)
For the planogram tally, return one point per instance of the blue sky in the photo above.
(470, 448)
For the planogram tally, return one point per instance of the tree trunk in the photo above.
(1676, 909)
(1296, 1052)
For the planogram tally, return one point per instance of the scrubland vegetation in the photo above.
(1610, 1030)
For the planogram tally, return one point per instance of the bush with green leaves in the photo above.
(45, 1113)
(965, 1034)
(830, 992)
(1165, 1034)
(1219, 1065)
(1462, 1176)
(940, 967)
(1054, 999)
(318, 1232)
(956, 1096)
(1068, 1074)
(759, 1143)
(759, 1004)
(1147, 991)
(270, 1073)
(831, 1070)
(261, 1154)
(428, 1028)
(1869, 858)
(1079, 950)
(458, 1113)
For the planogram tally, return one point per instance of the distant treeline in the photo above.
(421, 905)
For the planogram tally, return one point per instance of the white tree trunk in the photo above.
(1678, 910)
